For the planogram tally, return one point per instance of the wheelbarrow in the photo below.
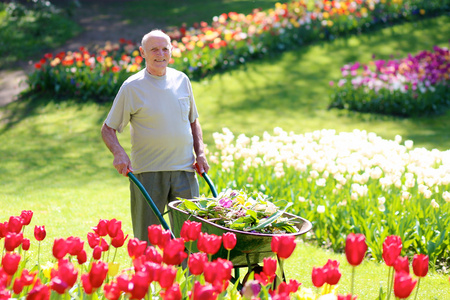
(251, 247)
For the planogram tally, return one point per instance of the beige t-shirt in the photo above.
(160, 110)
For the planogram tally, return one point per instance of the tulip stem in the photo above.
(39, 253)
(228, 255)
(390, 282)
(417, 289)
(353, 279)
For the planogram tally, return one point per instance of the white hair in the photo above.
(155, 32)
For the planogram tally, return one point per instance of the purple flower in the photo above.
(225, 202)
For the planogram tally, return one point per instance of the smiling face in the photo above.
(156, 51)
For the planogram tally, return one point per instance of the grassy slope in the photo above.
(291, 91)
(54, 162)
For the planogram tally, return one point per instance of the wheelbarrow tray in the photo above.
(251, 247)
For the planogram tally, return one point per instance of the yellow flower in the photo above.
(240, 199)
(47, 269)
(135, 53)
(113, 268)
(200, 44)
(422, 11)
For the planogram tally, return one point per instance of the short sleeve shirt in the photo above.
(160, 110)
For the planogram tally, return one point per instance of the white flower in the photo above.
(434, 204)
(409, 144)
(321, 209)
(381, 200)
(446, 196)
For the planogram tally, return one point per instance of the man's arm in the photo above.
(121, 160)
(199, 147)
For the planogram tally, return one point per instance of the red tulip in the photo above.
(403, 285)
(209, 243)
(17, 287)
(119, 239)
(332, 272)
(420, 265)
(203, 292)
(87, 286)
(140, 285)
(153, 270)
(290, 287)
(39, 232)
(13, 240)
(5, 294)
(67, 272)
(82, 257)
(346, 297)
(229, 240)
(152, 254)
(112, 291)
(39, 292)
(136, 247)
(154, 234)
(173, 253)
(172, 293)
(15, 224)
(102, 228)
(26, 216)
(97, 274)
(27, 278)
(114, 227)
(60, 248)
(3, 229)
(25, 244)
(218, 273)
(93, 239)
(190, 230)
(97, 253)
(74, 245)
(196, 262)
(167, 276)
(401, 264)
(392, 247)
(270, 267)
(10, 262)
(283, 245)
(355, 248)
(318, 276)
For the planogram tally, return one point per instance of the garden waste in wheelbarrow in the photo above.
(251, 247)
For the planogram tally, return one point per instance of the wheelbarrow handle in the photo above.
(208, 181)
(150, 202)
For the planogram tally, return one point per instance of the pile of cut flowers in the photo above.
(241, 210)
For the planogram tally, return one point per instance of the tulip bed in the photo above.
(347, 182)
(230, 39)
(155, 270)
(413, 86)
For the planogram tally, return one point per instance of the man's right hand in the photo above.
(122, 163)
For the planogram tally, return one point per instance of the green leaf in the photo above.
(270, 219)
(190, 205)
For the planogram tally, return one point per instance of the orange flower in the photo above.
(115, 69)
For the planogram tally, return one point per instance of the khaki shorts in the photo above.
(163, 187)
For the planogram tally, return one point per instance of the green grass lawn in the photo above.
(55, 163)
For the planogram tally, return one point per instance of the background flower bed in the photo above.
(347, 182)
(414, 86)
(229, 40)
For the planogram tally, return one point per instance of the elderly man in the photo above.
(165, 132)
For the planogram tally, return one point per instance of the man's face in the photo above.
(156, 51)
